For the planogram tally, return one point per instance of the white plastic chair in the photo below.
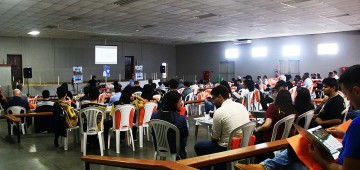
(17, 110)
(189, 97)
(288, 120)
(249, 101)
(138, 93)
(68, 130)
(344, 112)
(157, 97)
(122, 121)
(181, 90)
(148, 111)
(2, 111)
(94, 126)
(293, 93)
(308, 117)
(159, 129)
(247, 130)
(101, 98)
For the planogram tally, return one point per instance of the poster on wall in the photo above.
(77, 75)
(106, 71)
(139, 75)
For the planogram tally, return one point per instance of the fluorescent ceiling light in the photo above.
(34, 32)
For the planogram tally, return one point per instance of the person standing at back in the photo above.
(93, 82)
(228, 116)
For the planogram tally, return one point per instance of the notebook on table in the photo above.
(325, 142)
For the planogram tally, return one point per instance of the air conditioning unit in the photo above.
(243, 41)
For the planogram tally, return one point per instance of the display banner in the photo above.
(78, 75)
(139, 75)
(106, 71)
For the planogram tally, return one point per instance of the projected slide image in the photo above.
(105, 54)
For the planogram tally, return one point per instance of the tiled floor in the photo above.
(37, 152)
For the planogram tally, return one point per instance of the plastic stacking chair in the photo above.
(308, 117)
(122, 121)
(70, 128)
(159, 129)
(157, 97)
(288, 120)
(94, 126)
(17, 110)
(189, 107)
(102, 97)
(247, 130)
(344, 113)
(144, 119)
(138, 93)
(2, 111)
(293, 93)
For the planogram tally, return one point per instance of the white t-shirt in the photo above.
(226, 118)
(244, 92)
(308, 82)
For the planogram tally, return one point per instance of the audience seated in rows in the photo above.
(349, 157)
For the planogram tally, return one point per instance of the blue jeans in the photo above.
(209, 147)
(282, 161)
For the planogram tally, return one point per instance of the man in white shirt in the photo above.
(227, 117)
(307, 80)
(335, 76)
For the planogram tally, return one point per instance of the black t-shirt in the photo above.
(289, 85)
(92, 82)
(332, 108)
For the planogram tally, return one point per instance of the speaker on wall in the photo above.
(162, 69)
(27, 73)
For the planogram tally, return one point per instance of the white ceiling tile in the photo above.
(174, 20)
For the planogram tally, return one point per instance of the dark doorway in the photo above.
(129, 66)
(16, 67)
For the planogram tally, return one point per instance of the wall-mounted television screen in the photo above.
(105, 54)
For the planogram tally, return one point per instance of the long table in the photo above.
(18, 121)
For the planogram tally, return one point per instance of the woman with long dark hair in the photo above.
(303, 102)
(170, 112)
(281, 108)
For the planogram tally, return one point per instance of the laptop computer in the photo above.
(329, 146)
